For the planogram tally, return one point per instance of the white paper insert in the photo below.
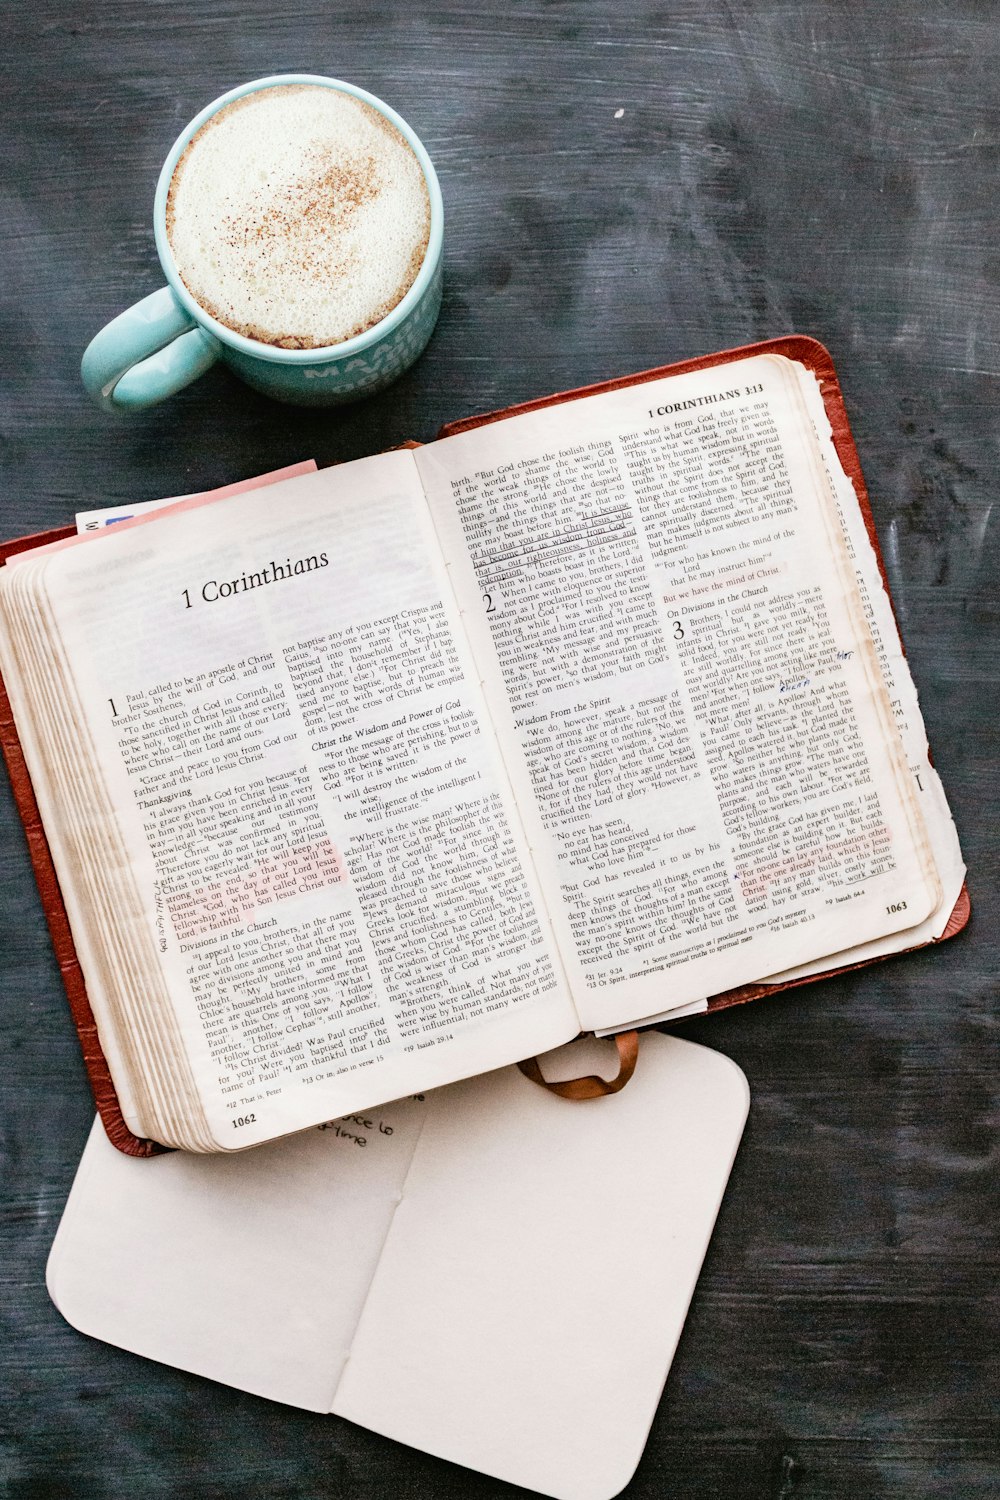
(508, 1272)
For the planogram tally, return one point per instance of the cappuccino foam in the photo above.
(298, 216)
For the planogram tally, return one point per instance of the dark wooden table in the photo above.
(625, 184)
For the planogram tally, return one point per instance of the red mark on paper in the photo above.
(238, 898)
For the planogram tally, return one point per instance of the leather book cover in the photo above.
(811, 353)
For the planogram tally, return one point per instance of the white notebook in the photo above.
(490, 1273)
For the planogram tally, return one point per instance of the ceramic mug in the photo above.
(167, 340)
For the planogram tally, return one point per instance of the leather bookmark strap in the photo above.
(591, 1086)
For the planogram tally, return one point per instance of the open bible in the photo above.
(390, 774)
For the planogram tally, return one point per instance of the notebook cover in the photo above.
(806, 351)
(811, 353)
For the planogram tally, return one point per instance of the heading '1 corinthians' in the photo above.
(272, 572)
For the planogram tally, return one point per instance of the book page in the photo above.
(659, 596)
(326, 860)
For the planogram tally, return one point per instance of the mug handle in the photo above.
(146, 354)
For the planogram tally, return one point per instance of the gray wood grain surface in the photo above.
(625, 184)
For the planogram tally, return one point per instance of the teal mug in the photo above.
(167, 340)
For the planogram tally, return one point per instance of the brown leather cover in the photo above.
(811, 353)
(806, 350)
